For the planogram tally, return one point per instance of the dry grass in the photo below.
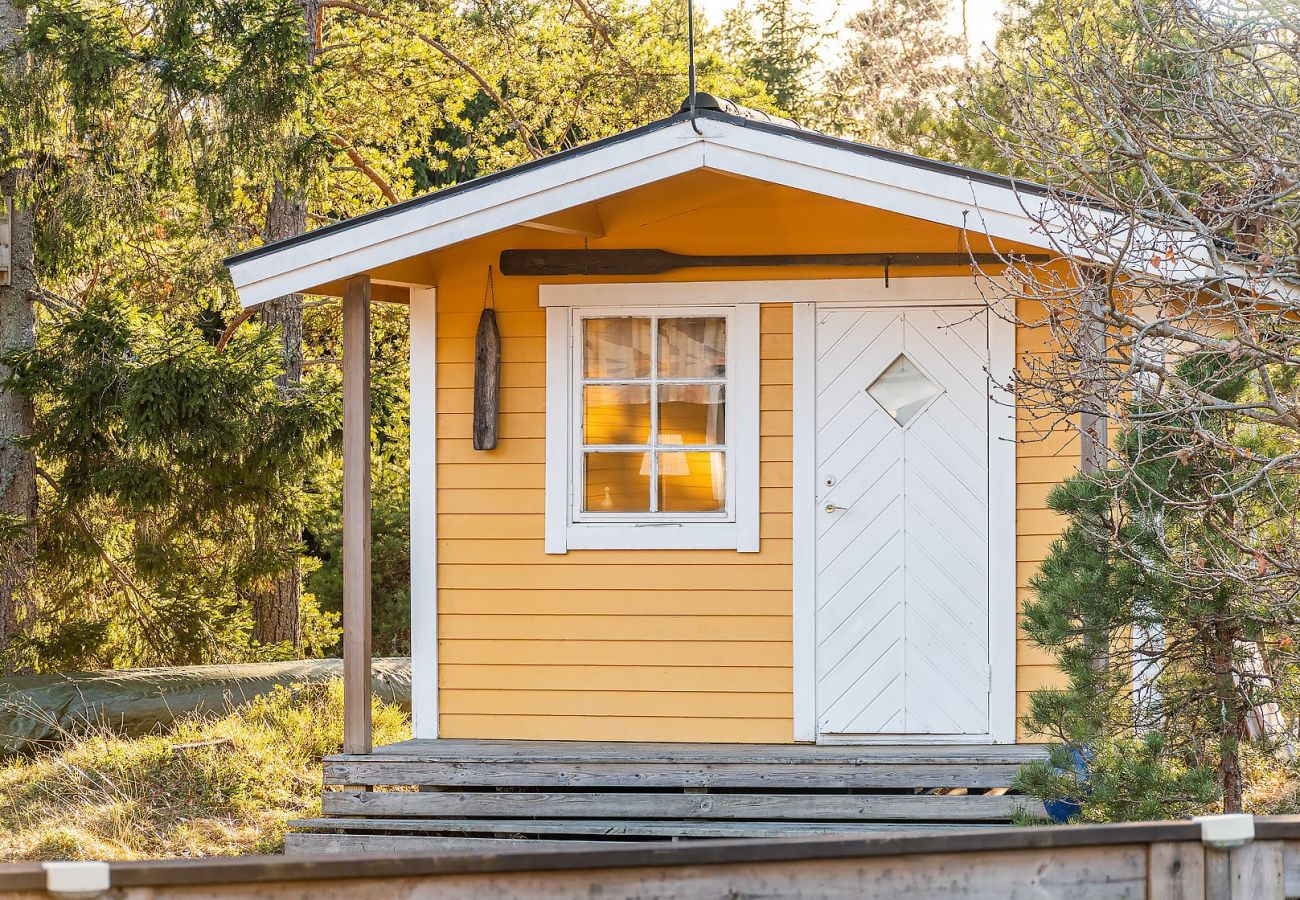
(216, 786)
(1272, 784)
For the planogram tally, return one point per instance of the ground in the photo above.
(217, 786)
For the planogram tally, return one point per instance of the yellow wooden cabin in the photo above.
(729, 503)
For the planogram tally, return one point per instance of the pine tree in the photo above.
(276, 617)
(1165, 719)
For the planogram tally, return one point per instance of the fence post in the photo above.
(1237, 867)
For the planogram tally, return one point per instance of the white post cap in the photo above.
(1227, 831)
(76, 877)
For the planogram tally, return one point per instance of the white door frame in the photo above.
(958, 291)
(424, 512)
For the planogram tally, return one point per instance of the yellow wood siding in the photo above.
(1045, 456)
(627, 644)
(596, 645)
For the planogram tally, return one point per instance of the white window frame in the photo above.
(567, 527)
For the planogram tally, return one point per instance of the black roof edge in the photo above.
(793, 131)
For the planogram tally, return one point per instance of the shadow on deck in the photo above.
(463, 794)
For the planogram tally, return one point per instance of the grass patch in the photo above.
(212, 786)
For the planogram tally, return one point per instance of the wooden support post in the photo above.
(356, 515)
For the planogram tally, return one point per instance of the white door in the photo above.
(902, 537)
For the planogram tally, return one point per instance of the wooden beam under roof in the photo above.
(579, 221)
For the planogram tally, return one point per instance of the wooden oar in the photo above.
(656, 262)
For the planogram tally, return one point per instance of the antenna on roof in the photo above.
(690, 61)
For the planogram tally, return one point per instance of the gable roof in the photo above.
(720, 140)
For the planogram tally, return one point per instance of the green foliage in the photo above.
(1129, 780)
(163, 469)
(778, 43)
(1149, 646)
(901, 65)
(152, 134)
(390, 560)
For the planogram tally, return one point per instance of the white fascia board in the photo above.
(945, 198)
(999, 210)
(529, 195)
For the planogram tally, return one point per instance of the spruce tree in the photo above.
(17, 333)
(777, 42)
(163, 458)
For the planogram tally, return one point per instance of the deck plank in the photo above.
(301, 843)
(622, 827)
(486, 750)
(376, 771)
(554, 805)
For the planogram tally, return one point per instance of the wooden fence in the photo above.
(1217, 860)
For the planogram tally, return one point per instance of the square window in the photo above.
(692, 414)
(616, 483)
(661, 428)
(616, 348)
(663, 404)
(616, 413)
(693, 347)
(903, 390)
(691, 482)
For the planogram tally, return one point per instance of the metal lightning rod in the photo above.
(690, 61)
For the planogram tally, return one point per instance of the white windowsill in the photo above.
(653, 536)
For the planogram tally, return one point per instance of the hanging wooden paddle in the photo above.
(487, 372)
(656, 262)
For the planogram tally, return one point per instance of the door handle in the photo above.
(831, 507)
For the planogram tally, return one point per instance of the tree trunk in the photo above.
(17, 332)
(276, 612)
(286, 216)
(1234, 715)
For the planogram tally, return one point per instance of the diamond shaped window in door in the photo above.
(903, 390)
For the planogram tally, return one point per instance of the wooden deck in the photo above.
(462, 794)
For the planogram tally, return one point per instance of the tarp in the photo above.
(41, 708)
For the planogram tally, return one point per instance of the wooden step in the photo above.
(488, 751)
(373, 771)
(590, 805)
(620, 827)
(296, 843)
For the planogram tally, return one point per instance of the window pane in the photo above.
(616, 348)
(692, 482)
(693, 348)
(616, 414)
(903, 390)
(616, 482)
(692, 414)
